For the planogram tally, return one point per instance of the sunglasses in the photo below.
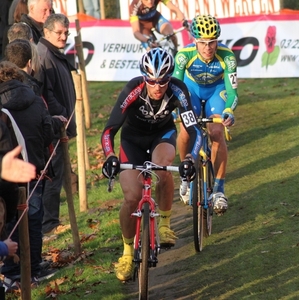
(152, 82)
(210, 43)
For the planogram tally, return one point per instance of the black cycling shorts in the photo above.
(136, 148)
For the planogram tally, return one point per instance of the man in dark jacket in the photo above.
(34, 122)
(39, 10)
(59, 92)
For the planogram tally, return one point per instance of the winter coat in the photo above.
(32, 118)
(58, 87)
(36, 28)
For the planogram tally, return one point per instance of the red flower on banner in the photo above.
(270, 38)
(271, 54)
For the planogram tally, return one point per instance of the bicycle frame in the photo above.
(165, 41)
(147, 243)
(202, 187)
(147, 198)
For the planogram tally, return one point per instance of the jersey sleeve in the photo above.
(119, 113)
(181, 60)
(115, 121)
(188, 117)
(133, 12)
(230, 79)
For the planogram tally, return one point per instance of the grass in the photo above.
(253, 251)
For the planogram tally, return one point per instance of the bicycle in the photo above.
(147, 242)
(202, 186)
(165, 41)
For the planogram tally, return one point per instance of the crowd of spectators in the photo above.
(36, 101)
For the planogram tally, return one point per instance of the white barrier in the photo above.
(112, 53)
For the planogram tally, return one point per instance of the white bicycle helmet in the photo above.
(157, 63)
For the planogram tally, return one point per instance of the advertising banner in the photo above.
(265, 46)
(217, 8)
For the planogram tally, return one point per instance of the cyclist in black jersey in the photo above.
(144, 111)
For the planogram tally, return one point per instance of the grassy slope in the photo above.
(253, 251)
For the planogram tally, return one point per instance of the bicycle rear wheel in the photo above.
(199, 218)
(145, 246)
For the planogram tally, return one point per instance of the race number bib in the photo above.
(188, 118)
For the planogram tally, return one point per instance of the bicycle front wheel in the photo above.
(145, 246)
(198, 210)
(210, 184)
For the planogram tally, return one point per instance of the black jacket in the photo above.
(32, 118)
(37, 28)
(58, 87)
(8, 191)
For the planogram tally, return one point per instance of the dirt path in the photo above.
(168, 280)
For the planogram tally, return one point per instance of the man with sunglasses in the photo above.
(209, 70)
(144, 111)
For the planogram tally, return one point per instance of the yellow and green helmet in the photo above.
(205, 26)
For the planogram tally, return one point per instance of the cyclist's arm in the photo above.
(115, 121)
(230, 81)
(180, 61)
(126, 98)
(134, 21)
(188, 117)
(179, 14)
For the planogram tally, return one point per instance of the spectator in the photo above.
(17, 8)
(39, 10)
(4, 8)
(17, 53)
(92, 8)
(8, 190)
(19, 31)
(59, 93)
(34, 122)
(7, 247)
(23, 31)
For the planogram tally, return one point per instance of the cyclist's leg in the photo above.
(132, 190)
(163, 153)
(145, 29)
(214, 107)
(165, 28)
(183, 138)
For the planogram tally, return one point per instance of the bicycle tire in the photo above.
(145, 247)
(198, 211)
(210, 184)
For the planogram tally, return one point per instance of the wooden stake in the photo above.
(81, 144)
(79, 52)
(68, 190)
(24, 248)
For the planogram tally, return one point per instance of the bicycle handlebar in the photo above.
(209, 120)
(149, 166)
(168, 36)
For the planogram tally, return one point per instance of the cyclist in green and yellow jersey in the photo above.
(209, 70)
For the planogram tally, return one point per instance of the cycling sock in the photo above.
(164, 218)
(218, 185)
(128, 246)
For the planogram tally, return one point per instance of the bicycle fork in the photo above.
(139, 213)
(206, 187)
